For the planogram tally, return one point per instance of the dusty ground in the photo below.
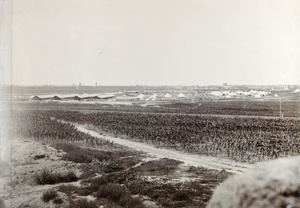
(18, 186)
(30, 157)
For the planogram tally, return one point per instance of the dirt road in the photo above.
(188, 159)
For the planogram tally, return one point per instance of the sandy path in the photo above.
(188, 159)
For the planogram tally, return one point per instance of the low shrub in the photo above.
(129, 162)
(158, 167)
(86, 189)
(82, 203)
(140, 186)
(69, 177)
(128, 201)
(181, 196)
(121, 177)
(113, 192)
(49, 195)
(117, 194)
(46, 177)
(78, 157)
(89, 170)
(97, 182)
(82, 155)
(69, 189)
(58, 200)
(37, 157)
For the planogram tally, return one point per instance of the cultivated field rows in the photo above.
(240, 138)
(98, 159)
(187, 158)
(74, 169)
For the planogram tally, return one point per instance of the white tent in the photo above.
(88, 96)
(168, 95)
(107, 95)
(45, 97)
(68, 96)
(296, 91)
(233, 94)
(181, 95)
(141, 97)
(263, 93)
(153, 97)
(275, 95)
(247, 93)
(257, 95)
(239, 92)
(216, 93)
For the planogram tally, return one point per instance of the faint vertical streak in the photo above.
(5, 101)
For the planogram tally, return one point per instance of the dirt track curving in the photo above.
(189, 159)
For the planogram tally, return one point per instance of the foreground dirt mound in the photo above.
(268, 184)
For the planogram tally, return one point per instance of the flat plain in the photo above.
(141, 153)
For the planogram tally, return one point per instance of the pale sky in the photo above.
(155, 42)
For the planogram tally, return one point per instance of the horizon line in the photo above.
(141, 85)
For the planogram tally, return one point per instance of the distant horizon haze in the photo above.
(145, 42)
(140, 85)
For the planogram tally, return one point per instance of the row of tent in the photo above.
(155, 96)
(72, 96)
(99, 96)
(253, 93)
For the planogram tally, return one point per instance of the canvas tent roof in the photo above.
(167, 95)
(141, 96)
(216, 93)
(153, 97)
(69, 96)
(35, 97)
(296, 91)
(97, 96)
(181, 95)
(46, 96)
(72, 96)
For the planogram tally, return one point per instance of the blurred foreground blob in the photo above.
(268, 184)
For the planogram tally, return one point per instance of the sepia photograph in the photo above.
(149, 104)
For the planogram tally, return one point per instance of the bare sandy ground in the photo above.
(188, 159)
(17, 184)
